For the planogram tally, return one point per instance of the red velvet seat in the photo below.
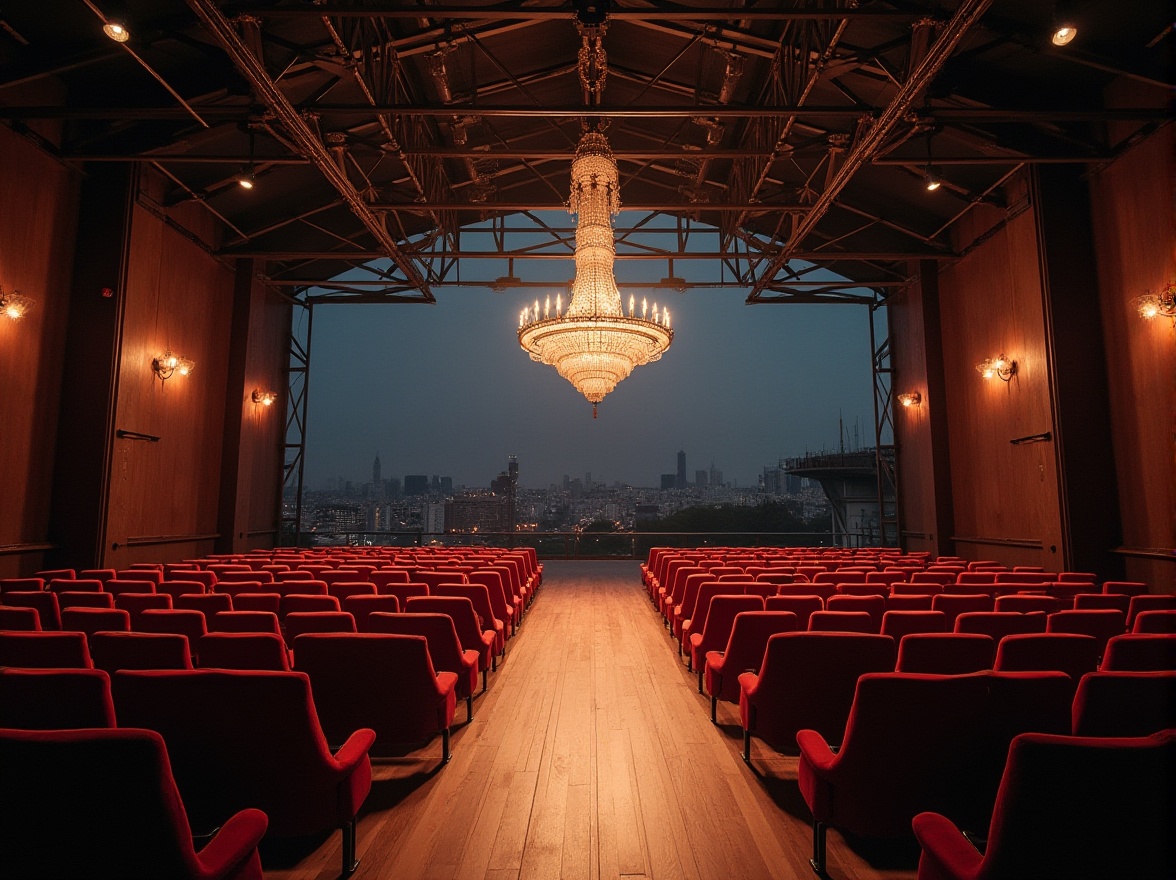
(434, 577)
(479, 595)
(1149, 602)
(931, 578)
(403, 699)
(842, 622)
(999, 624)
(51, 573)
(246, 622)
(875, 588)
(152, 575)
(206, 603)
(22, 585)
(341, 590)
(1019, 576)
(802, 606)
(1140, 653)
(117, 586)
(1103, 625)
(55, 699)
(945, 653)
(252, 738)
(19, 619)
(208, 578)
(900, 755)
(301, 622)
(897, 624)
(1070, 653)
(497, 591)
(382, 577)
(293, 575)
(1126, 588)
(301, 603)
(269, 603)
(137, 603)
(693, 617)
(716, 627)
(445, 649)
(804, 588)
(744, 651)
(917, 588)
(113, 651)
(243, 650)
(954, 605)
(1025, 602)
(807, 680)
(1078, 808)
(74, 585)
(92, 620)
(1103, 601)
(186, 623)
(234, 589)
(45, 650)
(103, 803)
(177, 588)
(1160, 621)
(296, 588)
(465, 620)
(46, 604)
(248, 576)
(1124, 704)
(85, 600)
(362, 607)
(340, 575)
(873, 605)
(403, 591)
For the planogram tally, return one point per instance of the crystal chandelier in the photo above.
(595, 344)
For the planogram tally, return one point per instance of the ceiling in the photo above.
(775, 137)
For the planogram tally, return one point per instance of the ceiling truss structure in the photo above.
(402, 148)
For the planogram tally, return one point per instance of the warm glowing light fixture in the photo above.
(594, 345)
(999, 367)
(265, 398)
(914, 398)
(1158, 305)
(168, 365)
(1063, 34)
(117, 30)
(13, 305)
(931, 181)
(246, 180)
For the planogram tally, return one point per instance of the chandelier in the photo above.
(594, 345)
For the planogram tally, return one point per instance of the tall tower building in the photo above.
(377, 484)
(680, 480)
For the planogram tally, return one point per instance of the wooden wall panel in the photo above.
(1135, 238)
(177, 297)
(1005, 496)
(38, 224)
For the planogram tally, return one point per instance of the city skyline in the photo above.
(445, 388)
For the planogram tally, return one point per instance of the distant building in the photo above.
(416, 484)
(392, 488)
(340, 519)
(716, 476)
(680, 479)
(376, 472)
(700, 479)
(669, 481)
(476, 513)
(447, 485)
(648, 512)
(434, 519)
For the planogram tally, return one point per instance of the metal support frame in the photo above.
(294, 443)
(886, 461)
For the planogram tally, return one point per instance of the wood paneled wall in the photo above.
(38, 223)
(1135, 245)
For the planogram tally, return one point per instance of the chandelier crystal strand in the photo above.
(593, 344)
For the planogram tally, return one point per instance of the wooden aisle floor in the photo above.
(590, 756)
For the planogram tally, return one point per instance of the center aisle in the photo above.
(591, 756)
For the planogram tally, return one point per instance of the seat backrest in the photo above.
(117, 586)
(341, 590)
(897, 624)
(293, 575)
(401, 698)
(1084, 807)
(45, 650)
(301, 603)
(246, 622)
(873, 605)
(1147, 652)
(1126, 588)
(858, 588)
(1124, 704)
(243, 650)
(154, 575)
(360, 607)
(720, 619)
(75, 585)
(51, 573)
(49, 699)
(916, 588)
(1149, 602)
(1160, 621)
(248, 575)
(478, 594)
(461, 609)
(381, 577)
(136, 603)
(92, 620)
(240, 739)
(22, 585)
(842, 622)
(1070, 653)
(177, 588)
(267, 602)
(340, 575)
(702, 600)
(445, 648)
(1102, 624)
(300, 622)
(747, 642)
(137, 650)
(48, 608)
(187, 623)
(999, 624)
(19, 619)
(114, 805)
(800, 605)
(1101, 601)
(945, 653)
(85, 600)
(298, 588)
(208, 603)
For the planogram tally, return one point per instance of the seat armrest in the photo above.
(355, 749)
(234, 843)
(946, 852)
(816, 751)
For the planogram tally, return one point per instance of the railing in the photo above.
(584, 545)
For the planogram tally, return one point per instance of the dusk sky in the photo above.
(445, 389)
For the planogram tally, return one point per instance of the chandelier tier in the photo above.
(594, 345)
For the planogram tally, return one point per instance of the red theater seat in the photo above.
(269, 603)
(92, 620)
(1025, 602)
(113, 651)
(716, 627)
(1103, 625)
(1126, 588)
(497, 591)
(1103, 601)
(479, 595)
(842, 622)
(1140, 653)
(19, 619)
(1151, 602)
(137, 603)
(999, 624)
(240, 739)
(186, 623)
(117, 586)
(875, 606)
(897, 624)
(341, 590)
(246, 622)
(45, 603)
(243, 650)
(301, 622)
(1124, 704)
(744, 651)
(362, 607)
(465, 620)
(899, 757)
(301, 603)
(22, 585)
(85, 600)
(807, 680)
(54, 699)
(802, 606)
(1161, 621)
(45, 650)
(1074, 807)
(445, 648)
(103, 803)
(206, 603)
(402, 698)
(1070, 653)
(945, 653)
(75, 585)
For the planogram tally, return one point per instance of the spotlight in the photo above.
(117, 30)
(931, 181)
(246, 180)
(1065, 28)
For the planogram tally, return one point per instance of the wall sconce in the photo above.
(168, 364)
(1157, 305)
(265, 398)
(999, 367)
(13, 305)
(912, 399)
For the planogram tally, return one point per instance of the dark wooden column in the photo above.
(232, 512)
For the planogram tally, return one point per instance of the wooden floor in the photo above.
(591, 755)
